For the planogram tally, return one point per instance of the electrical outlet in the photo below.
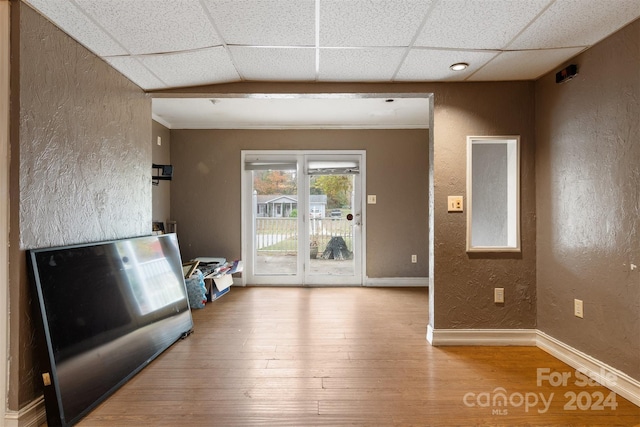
(414, 258)
(578, 308)
(371, 199)
(454, 203)
(498, 295)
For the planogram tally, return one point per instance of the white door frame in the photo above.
(358, 210)
(246, 233)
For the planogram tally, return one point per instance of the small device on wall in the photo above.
(162, 173)
(567, 73)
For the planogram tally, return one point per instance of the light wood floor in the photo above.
(341, 357)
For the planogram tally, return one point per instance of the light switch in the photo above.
(454, 204)
(578, 308)
(371, 199)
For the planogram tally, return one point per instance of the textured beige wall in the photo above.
(161, 155)
(206, 190)
(588, 170)
(80, 165)
(464, 283)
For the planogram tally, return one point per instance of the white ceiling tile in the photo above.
(275, 64)
(370, 23)
(433, 65)
(154, 26)
(265, 23)
(79, 26)
(523, 65)
(133, 69)
(570, 23)
(207, 66)
(362, 65)
(471, 24)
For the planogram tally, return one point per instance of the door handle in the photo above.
(357, 216)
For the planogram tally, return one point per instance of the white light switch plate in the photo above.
(371, 199)
(578, 308)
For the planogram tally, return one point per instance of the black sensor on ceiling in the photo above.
(567, 73)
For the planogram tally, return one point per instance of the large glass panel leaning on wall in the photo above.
(493, 193)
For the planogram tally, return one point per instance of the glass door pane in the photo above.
(330, 232)
(334, 224)
(275, 222)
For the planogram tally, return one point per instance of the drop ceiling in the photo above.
(166, 44)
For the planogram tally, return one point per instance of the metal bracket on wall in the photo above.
(162, 173)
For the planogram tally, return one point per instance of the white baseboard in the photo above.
(481, 337)
(387, 282)
(615, 380)
(32, 415)
(397, 282)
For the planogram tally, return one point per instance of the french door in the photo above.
(303, 217)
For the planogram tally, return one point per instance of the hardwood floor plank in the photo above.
(241, 420)
(213, 381)
(205, 392)
(310, 372)
(411, 364)
(341, 357)
(216, 405)
(204, 362)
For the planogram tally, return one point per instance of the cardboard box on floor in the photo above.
(218, 284)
